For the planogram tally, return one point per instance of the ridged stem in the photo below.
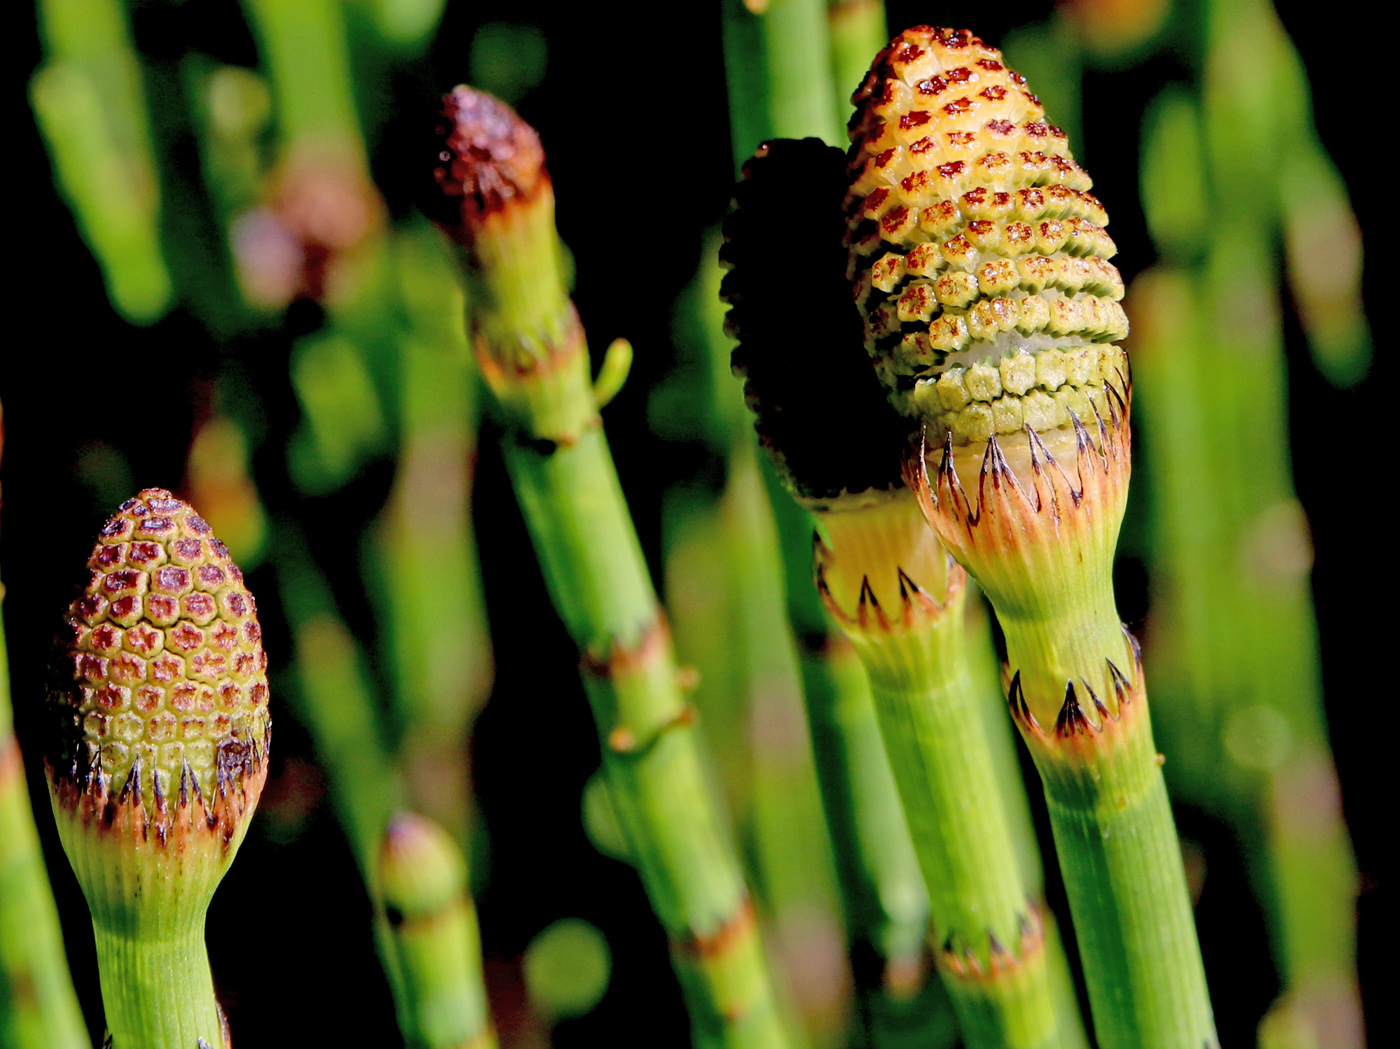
(38, 1008)
(990, 941)
(593, 564)
(157, 990)
(881, 883)
(1114, 833)
(534, 358)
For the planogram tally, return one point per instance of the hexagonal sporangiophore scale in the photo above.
(979, 255)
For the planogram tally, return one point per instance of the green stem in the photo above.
(593, 565)
(304, 50)
(993, 954)
(38, 1008)
(156, 985)
(437, 638)
(1113, 831)
(90, 102)
(433, 940)
(338, 704)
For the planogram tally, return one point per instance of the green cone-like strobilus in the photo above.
(157, 756)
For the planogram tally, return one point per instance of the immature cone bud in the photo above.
(489, 160)
(492, 196)
(161, 697)
(979, 256)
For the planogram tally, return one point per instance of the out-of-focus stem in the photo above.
(440, 645)
(857, 30)
(303, 47)
(1235, 638)
(338, 705)
(38, 1009)
(91, 106)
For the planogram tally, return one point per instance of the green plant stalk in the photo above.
(1235, 639)
(156, 985)
(887, 907)
(89, 101)
(1249, 685)
(433, 939)
(437, 635)
(775, 86)
(879, 570)
(574, 508)
(795, 870)
(857, 30)
(1112, 821)
(38, 1008)
(338, 704)
(775, 89)
(304, 49)
(534, 359)
(881, 887)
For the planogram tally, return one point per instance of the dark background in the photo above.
(633, 116)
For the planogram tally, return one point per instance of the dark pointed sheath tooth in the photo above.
(1071, 719)
(133, 782)
(867, 593)
(1013, 695)
(1098, 703)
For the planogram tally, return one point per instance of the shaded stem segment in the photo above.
(435, 944)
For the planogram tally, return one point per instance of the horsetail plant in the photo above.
(156, 756)
(776, 89)
(886, 579)
(981, 268)
(495, 201)
(434, 941)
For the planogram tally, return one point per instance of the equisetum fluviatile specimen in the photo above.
(156, 757)
(980, 264)
(495, 201)
(891, 586)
